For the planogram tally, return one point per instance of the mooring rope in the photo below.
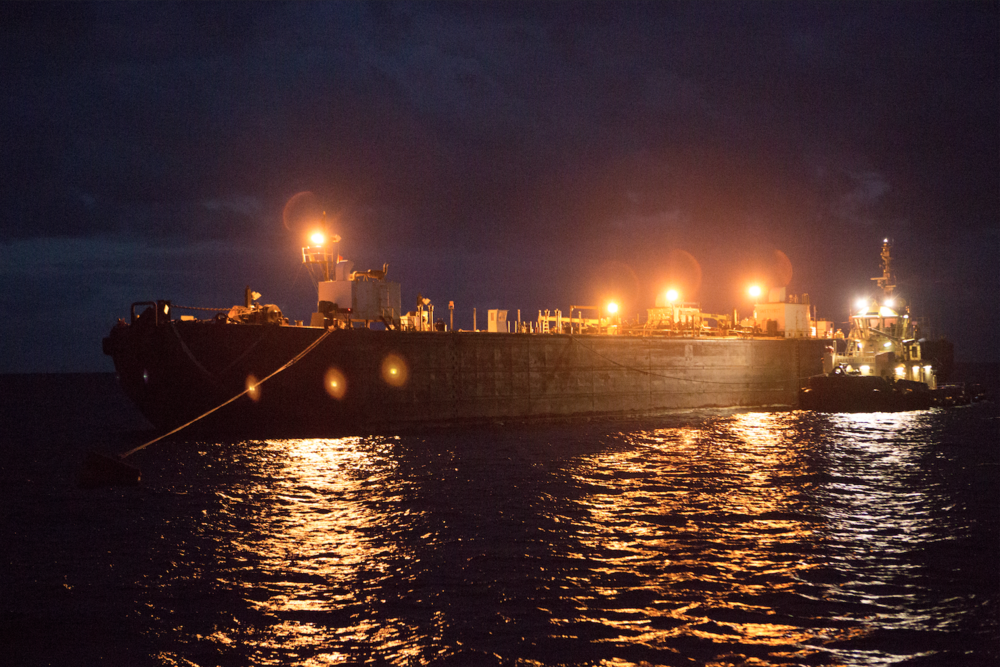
(288, 364)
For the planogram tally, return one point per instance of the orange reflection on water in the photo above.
(317, 550)
(712, 534)
(709, 513)
(317, 523)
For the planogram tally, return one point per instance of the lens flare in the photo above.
(614, 279)
(253, 388)
(335, 383)
(302, 210)
(394, 370)
(683, 272)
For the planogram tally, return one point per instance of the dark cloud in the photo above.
(552, 137)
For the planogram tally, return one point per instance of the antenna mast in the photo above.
(886, 281)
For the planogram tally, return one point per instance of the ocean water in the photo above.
(711, 537)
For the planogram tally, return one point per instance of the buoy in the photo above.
(103, 470)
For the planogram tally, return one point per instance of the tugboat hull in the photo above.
(863, 393)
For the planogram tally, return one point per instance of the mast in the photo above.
(321, 256)
(886, 281)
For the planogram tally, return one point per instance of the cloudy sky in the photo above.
(521, 156)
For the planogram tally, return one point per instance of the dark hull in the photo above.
(851, 393)
(176, 371)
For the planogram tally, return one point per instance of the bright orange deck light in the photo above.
(754, 291)
(672, 295)
(318, 238)
(612, 307)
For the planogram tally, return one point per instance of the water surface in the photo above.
(703, 537)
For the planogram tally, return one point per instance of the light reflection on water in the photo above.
(758, 538)
(734, 541)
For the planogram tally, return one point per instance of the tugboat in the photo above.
(880, 366)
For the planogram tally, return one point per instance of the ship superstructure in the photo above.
(883, 337)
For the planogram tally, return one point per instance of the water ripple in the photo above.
(710, 537)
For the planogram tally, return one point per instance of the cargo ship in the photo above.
(361, 365)
(881, 365)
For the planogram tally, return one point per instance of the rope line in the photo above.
(190, 356)
(662, 375)
(288, 364)
(216, 376)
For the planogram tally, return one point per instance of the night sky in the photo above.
(512, 155)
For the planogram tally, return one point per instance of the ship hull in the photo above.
(363, 381)
(863, 393)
